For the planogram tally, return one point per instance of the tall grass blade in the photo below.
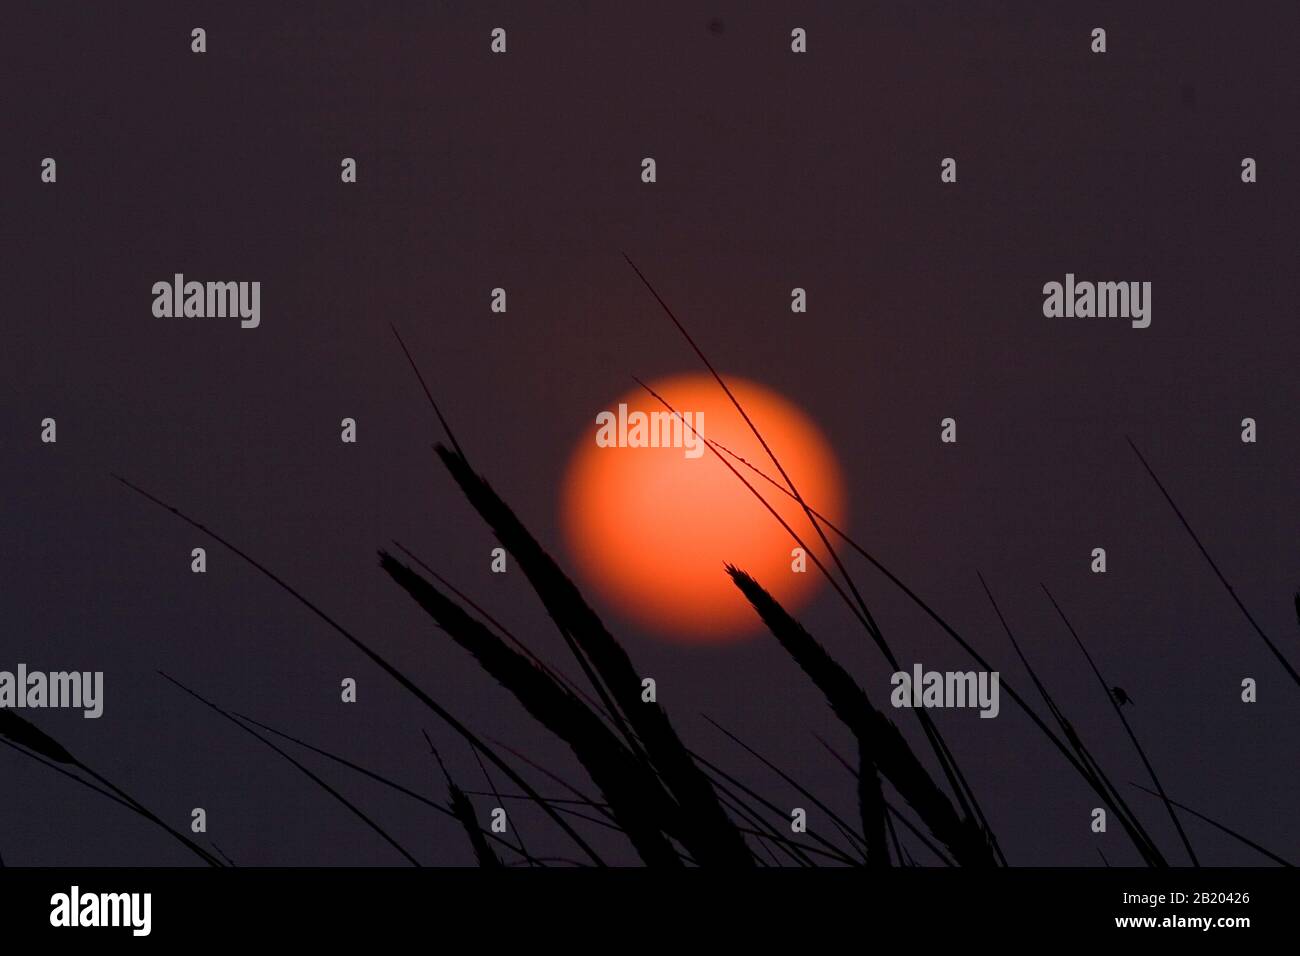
(1219, 826)
(1142, 839)
(442, 712)
(871, 805)
(876, 733)
(1119, 712)
(961, 788)
(463, 810)
(956, 780)
(634, 794)
(29, 739)
(376, 777)
(707, 830)
(850, 834)
(1214, 567)
(23, 732)
(1080, 763)
(356, 811)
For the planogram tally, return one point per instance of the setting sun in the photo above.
(651, 515)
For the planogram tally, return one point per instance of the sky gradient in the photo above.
(523, 171)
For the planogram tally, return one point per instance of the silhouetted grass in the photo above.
(876, 734)
(850, 835)
(1091, 767)
(28, 739)
(601, 808)
(634, 781)
(222, 853)
(965, 796)
(356, 811)
(634, 794)
(1281, 658)
(559, 676)
(1246, 841)
(894, 812)
(26, 734)
(381, 779)
(1079, 760)
(672, 804)
(442, 713)
(706, 827)
(1119, 712)
(871, 807)
(523, 849)
(463, 810)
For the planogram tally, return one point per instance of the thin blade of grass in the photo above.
(763, 831)
(451, 436)
(463, 810)
(611, 712)
(33, 741)
(634, 795)
(890, 752)
(1137, 833)
(1093, 778)
(224, 856)
(356, 811)
(62, 770)
(730, 785)
(707, 830)
(563, 806)
(558, 675)
(1286, 664)
(519, 835)
(372, 775)
(957, 781)
(803, 791)
(899, 855)
(893, 810)
(1246, 841)
(393, 672)
(1105, 689)
(594, 804)
(26, 734)
(871, 806)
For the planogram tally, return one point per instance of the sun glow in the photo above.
(651, 516)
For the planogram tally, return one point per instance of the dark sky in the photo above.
(522, 171)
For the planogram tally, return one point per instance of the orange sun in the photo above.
(650, 528)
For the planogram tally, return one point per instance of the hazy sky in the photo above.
(523, 171)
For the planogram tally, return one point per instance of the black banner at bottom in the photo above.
(593, 907)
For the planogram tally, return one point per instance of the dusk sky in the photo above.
(774, 171)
